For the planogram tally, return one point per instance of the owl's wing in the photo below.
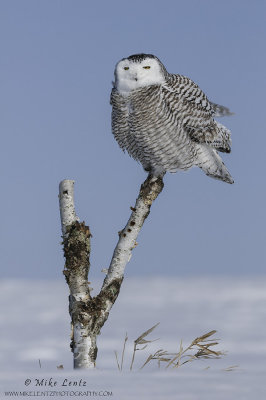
(190, 104)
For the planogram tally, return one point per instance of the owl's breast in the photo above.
(150, 130)
(149, 112)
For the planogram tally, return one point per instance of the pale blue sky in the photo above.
(56, 66)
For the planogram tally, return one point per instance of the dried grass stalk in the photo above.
(141, 340)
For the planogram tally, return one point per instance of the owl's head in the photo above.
(137, 71)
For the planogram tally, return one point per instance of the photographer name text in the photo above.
(52, 383)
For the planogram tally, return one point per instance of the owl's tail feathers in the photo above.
(211, 163)
(220, 111)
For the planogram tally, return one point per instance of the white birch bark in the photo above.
(66, 204)
(126, 243)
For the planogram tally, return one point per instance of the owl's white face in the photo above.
(131, 75)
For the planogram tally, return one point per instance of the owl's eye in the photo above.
(126, 68)
(146, 67)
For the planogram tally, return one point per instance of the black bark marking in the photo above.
(150, 189)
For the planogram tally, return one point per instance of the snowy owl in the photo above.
(165, 121)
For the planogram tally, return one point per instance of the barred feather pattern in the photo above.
(170, 127)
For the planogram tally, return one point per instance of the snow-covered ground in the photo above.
(34, 325)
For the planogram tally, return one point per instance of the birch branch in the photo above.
(76, 241)
(149, 191)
